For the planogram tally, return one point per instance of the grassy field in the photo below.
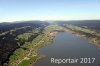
(25, 63)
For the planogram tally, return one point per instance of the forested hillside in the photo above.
(14, 35)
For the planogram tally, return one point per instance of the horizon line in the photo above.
(46, 20)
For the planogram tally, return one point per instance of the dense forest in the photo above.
(14, 35)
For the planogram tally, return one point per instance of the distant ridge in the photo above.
(90, 23)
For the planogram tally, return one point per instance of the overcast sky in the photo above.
(16, 10)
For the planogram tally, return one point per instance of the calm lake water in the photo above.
(66, 45)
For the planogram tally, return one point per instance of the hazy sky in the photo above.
(15, 10)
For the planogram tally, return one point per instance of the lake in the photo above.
(67, 45)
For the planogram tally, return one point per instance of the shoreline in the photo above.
(41, 56)
(90, 40)
(74, 33)
(52, 35)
